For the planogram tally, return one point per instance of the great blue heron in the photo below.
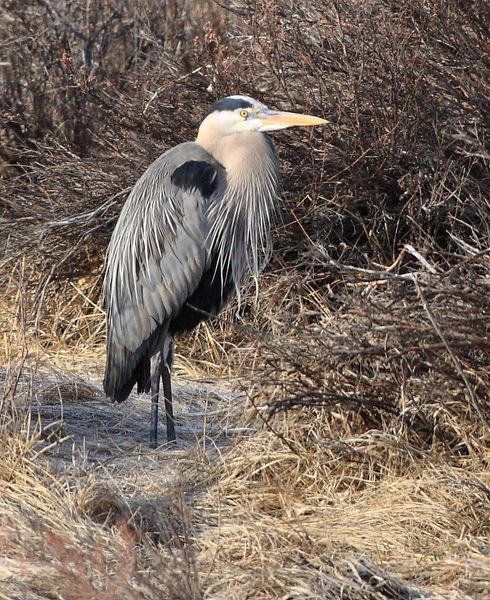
(194, 224)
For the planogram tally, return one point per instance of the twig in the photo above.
(235, 11)
(467, 260)
(266, 422)
(409, 248)
(454, 358)
(386, 273)
(380, 275)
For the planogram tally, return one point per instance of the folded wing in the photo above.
(156, 260)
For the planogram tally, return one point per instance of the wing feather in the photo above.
(156, 258)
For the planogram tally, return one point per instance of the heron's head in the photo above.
(238, 114)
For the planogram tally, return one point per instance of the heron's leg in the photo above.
(155, 370)
(167, 389)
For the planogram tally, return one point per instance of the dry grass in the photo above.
(354, 461)
(305, 507)
(303, 516)
(88, 511)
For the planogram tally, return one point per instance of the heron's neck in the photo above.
(248, 157)
(241, 217)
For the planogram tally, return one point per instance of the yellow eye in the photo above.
(244, 113)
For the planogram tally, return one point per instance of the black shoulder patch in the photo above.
(196, 174)
(230, 104)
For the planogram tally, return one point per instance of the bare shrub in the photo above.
(107, 87)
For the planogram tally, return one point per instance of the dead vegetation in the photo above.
(360, 467)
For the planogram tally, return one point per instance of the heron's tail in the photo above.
(125, 369)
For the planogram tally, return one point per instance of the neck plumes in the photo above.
(241, 216)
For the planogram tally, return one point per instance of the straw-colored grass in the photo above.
(301, 504)
(421, 516)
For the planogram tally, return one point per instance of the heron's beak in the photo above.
(272, 120)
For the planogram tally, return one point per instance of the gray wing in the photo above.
(156, 257)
